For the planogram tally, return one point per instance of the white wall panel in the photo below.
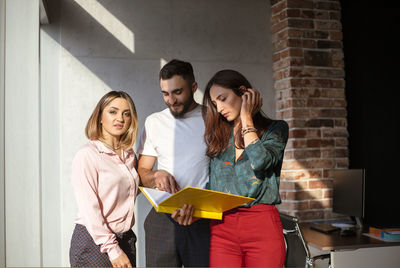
(22, 134)
(50, 137)
(2, 173)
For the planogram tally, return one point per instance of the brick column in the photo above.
(308, 71)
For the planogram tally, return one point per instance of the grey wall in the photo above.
(22, 134)
(92, 47)
(2, 96)
(50, 113)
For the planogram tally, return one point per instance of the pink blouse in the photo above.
(105, 188)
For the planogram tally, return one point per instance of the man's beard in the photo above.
(186, 106)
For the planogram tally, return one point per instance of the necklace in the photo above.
(109, 146)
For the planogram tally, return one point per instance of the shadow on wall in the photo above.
(100, 50)
(122, 46)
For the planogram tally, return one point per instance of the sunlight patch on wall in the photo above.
(83, 86)
(109, 22)
(163, 62)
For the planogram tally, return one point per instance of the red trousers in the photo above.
(248, 237)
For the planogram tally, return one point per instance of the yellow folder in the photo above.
(207, 203)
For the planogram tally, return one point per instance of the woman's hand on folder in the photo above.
(184, 215)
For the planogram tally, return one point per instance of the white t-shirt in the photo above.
(178, 144)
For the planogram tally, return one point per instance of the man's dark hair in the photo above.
(178, 67)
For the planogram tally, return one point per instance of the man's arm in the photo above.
(145, 167)
(159, 179)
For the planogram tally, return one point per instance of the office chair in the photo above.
(297, 251)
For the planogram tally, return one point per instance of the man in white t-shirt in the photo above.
(174, 138)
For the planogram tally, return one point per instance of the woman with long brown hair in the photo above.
(246, 150)
(105, 182)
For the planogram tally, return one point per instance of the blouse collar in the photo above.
(104, 149)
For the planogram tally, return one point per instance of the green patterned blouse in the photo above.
(257, 171)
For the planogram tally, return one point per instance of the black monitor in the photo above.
(348, 193)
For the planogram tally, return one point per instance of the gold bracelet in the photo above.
(248, 130)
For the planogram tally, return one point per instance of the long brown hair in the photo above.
(217, 128)
(93, 128)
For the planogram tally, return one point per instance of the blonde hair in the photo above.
(93, 128)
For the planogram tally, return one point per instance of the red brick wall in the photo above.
(308, 72)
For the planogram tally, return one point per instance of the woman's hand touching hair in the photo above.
(251, 103)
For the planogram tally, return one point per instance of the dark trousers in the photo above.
(170, 245)
(85, 253)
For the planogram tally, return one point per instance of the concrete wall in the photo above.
(2, 96)
(22, 168)
(89, 48)
(50, 137)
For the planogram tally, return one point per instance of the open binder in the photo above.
(207, 203)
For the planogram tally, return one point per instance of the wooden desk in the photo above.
(334, 241)
(353, 251)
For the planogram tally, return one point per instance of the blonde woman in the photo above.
(105, 182)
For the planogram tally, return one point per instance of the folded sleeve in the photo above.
(146, 146)
(85, 184)
(268, 151)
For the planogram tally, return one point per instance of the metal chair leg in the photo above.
(309, 262)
